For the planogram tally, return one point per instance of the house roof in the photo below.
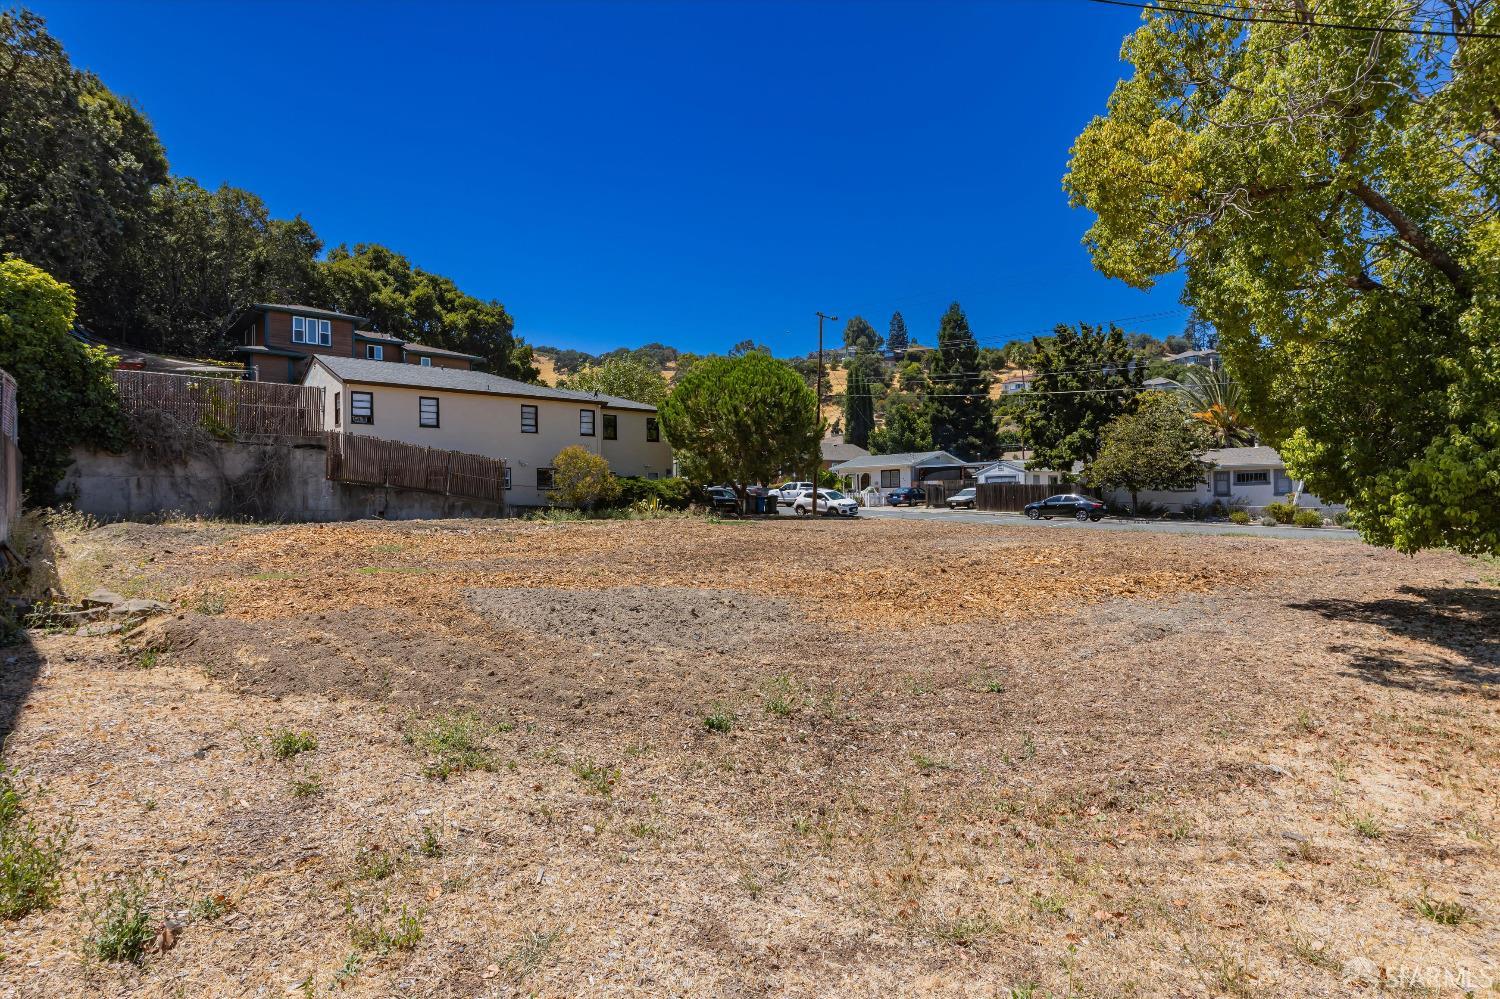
(1244, 457)
(1160, 383)
(422, 348)
(374, 337)
(837, 449)
(1009, 465)
(1186, 354)
(276, 351)
(894, 460)
(357, 369)
(310, 310)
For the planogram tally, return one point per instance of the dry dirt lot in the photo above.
(679, 757)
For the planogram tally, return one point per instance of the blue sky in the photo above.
(693, 173)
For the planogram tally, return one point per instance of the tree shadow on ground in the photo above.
(1463, 620)
(19, 665)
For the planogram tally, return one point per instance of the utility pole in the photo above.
(818, 414)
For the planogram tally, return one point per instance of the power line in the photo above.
(1301, 22)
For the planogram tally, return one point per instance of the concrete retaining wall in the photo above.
(127, 486)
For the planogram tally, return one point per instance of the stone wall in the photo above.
(223, 483)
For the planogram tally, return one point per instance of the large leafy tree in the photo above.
(64, 393)
(962, 422)
(1154, 446)
(859, 335)
(1332, 197)
(77, 167)
(1083, 378)
(859, 399)
(625, 377)
(896, 337)
(907, 428)
(398, 298)
(742, 420)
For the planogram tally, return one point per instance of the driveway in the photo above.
(1107, 524)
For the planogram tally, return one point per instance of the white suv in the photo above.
(830, 501)
(789, 491)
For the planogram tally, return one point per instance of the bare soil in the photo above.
(774, 758)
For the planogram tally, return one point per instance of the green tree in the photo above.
(742, 420)
(896, 338)
(1332, 197)
(64, 392)
(859, 400)
(1084, 378)
(907, 428)
(960, 411)
(582, 479)
(1214, 400)
(625, 377)
(1151, 447)
(77, 167)
(860, 335)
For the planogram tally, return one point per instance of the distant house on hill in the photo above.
(277, 342)
(835, 450)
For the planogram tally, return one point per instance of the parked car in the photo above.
(908, 495)
(722, 499)
(962, 498)
(1066, 505)
(789, 491)
(829, 501)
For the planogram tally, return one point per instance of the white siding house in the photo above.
(1247, 477)
(488, 415)
(889, 471)
(1013, 470)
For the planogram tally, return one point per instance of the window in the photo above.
(338, 407)
(544, 478)
(652, 475)
(425, 362)
(313, 331)
(653, 432)
(507, 476)
(890, 478)
(1260, 478)
(427, 411)
(611, 427)
(361, 407)
(528, 420)
(585, 423)
(374, 352)
(1284, 483)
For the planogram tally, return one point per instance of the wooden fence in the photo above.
(371, 461)
(999, 496)
(230, 408)
(10, 458)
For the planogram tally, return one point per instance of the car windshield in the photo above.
(965, 492)
(832, 494)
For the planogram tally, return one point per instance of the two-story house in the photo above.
(277, 342)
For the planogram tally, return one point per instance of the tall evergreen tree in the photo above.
(1083, 379)
(897, 339)
(859, 401)
(860, 335)
(961, 419)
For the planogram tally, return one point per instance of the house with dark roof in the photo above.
(1245, 478)
(458, 409)
(888, 471)
(277, 342)
(834, 449)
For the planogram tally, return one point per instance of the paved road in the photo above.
(1107, 524)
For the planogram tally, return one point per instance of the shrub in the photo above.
(31, 858)
(1308, 518)
(119, 924)
(1239, 517)
(286, 743)
(672, 493)
(720, 720)
(455, 742)
(1269, 522)
(1282, 512)
(1343, 518)
(582, 480)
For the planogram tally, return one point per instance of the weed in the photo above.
(780, 696)
(930, 764)
(211, 604)
(305, 787)
(31, 857)
(1028, 747)
(210, 907)
(375, 864)
(719, 720)
(349, 970)
(529, 953)
(431, 845)
(1366, 826)
(965, 931)
(600, 779)
(119, 923)
(455, 743)
(1049, 905)
(1312, 953)
(1307, 723)
(286, 743)
(147, 658)
(382, 934)
(1443, 912)
(644, 830)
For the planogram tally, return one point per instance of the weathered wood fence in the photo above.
(371, 461)
(10, 457)
(1000, 496)
(229, 408)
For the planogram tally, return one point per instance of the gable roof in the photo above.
(894, 460)
(238, 319)
(838, 449)
(422, 348)
(1244, 457)
(357, 369)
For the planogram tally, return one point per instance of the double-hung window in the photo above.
(653, 431)
(374, 352)
(361, 407)
(427, 411)
(890, 478)
(528, 419)
(544, 478)
(585, 423)
(611, 427)
(1284, 483)
(317, 332)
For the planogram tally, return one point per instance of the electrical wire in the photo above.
(1252, 16)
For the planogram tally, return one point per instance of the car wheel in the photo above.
(1096, 518)
(801, 511)
(1081, 516)
(1034, 514)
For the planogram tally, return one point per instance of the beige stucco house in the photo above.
(485, 414)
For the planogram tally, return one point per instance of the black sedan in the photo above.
(1066, 505)
(722, 499)
(908, 495)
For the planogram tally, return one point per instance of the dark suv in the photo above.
(1066, 505)
(722, 499)
(908, 495)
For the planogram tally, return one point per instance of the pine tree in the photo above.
(1083, 379)
(962, 422)
(859, 402)
(896, 339)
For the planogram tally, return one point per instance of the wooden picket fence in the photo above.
(371, 461)
(230, 408)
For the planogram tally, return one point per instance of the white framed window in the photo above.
(1284, 482)
(374, 352)
(361, 407)
(1253, 478)
(507, 476)
(585, 423)
(528, 419)
(544, 478)
(427, 411)
(425, 362)
(890, 478)
(318, 332)
(338, 407)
